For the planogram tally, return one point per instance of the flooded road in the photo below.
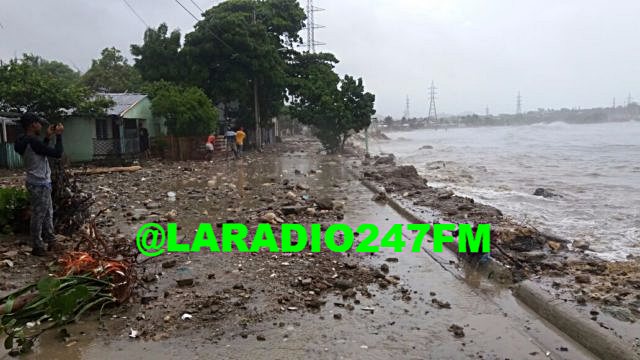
(393, 323)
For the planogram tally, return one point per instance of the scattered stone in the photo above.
(169, 264)
(619, 313)
(583, 279)
(457, 330)
(441, 304)
(553, 245)
(337, 316)
(384, 268)
(261, 338)
(392, 260)
(343, 284)
(580, 245)
(379, 197)
(186, 281)
(152, 205)
(545, 193)
(325, 203)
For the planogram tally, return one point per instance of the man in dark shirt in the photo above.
(144, 141)
(34, 153)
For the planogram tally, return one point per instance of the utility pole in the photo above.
(407, 112)
(433, 114)
(312, 26)
(629, 99)
(614, 102)
(486, 111)
(256, 102)
(519, 104)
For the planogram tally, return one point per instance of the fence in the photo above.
(115, 147)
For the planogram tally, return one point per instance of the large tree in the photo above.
(335, 108)
(241, 45)
(187, 111)
(50, 88)
(112, 73)
(159, 57)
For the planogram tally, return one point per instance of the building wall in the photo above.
(142, 110)
(78, 138)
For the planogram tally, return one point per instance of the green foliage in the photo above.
(112, 73)
(50, 88)
(187, 111)
(13, 202)
(335, 107)
(159, 57)
(58, 301)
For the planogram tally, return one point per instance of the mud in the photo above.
(271, 305)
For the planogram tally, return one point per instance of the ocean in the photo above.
(594, 168)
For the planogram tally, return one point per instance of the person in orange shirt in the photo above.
(211, 140)
(240, 136)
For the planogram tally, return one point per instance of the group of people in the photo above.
(235, 143)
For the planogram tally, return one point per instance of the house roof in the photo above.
(124, 102)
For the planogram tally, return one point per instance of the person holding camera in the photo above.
(34, 153)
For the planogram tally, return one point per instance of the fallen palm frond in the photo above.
(81, 283)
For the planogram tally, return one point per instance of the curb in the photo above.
(565, 318)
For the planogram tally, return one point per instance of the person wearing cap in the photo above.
(34, 153)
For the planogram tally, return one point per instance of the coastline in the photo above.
(604, 293)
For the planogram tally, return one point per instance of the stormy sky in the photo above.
(569, 53)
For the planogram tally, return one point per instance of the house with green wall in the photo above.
(115, 135)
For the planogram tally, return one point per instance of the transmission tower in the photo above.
(407, 110)
(312, 26)
(519, 104)
(433, 114)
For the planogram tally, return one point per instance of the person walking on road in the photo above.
(240, 136)
(230, 136)
(34, 153)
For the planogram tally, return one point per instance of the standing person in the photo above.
(34, 152)
(230, 135)
(210, 145)
(240, 135)
(144, 140)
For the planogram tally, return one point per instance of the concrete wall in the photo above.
(142, 110)
(78, 138)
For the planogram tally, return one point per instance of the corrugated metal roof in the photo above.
(124, 102)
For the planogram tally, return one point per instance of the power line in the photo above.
(212, 33)
(187, 10)
(136, 13)
(196, 5)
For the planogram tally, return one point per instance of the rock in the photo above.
(271, 218)
(384, 268)
(337, 316)
(343, 284)
(580, 245)
(292, 196)
(171, 216)
(139, 214)
(441, 304)
(581, 300)
(619, 313)
(427, 147)
(379, 197)
(583, 279)
(303, 187)
(186, 281)
(238, 287)
(553, 245)
(325, 203)
(532, 256)
(311, 211)
(149, 277)
(152, 205)
(385, 160)
(261, 338)
(290, 210)
(338, 205)
(392, 260)
(445, 194)
(457, 330)
(545, 193)
(306, 282)
(212, 183)
(169, 264)
(148, 298)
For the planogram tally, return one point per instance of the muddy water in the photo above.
(494, 324)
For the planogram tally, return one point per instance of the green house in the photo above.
(115, 135)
